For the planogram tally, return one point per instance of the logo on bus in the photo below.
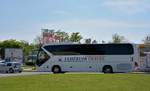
(84, 59)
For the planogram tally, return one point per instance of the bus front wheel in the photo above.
(56, 69)
(107, 69)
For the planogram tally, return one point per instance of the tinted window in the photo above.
(9, 64)
(91, 49)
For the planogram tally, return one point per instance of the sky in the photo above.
(96, 19)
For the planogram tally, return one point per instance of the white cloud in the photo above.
(103, 29)
(127, 6)
(96, 24)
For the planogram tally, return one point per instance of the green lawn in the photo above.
(77, 82)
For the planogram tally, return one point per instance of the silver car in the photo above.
(10, 67)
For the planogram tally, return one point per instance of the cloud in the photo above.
(96, 24)
(102, 29)
(127, 6)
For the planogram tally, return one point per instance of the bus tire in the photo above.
(107, 69)
(11, 70)
(56, 69)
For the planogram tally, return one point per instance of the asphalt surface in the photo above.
(38, 73)
(22, 74)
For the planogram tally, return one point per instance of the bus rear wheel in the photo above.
(56, 69)
(107, 69)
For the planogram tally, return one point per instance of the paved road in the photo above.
(38, 73)
(22, 74)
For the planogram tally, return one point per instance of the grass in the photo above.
(77, 82)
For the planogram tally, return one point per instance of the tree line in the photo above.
(57, 36)
(12, 43)
(66, 37)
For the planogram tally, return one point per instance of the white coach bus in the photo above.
(105, 58)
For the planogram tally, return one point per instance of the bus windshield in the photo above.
(42, 57)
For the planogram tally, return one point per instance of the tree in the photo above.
(24, 45)
(147, 40)
(75, 37)
(63, 35)
(88, 41)
(103, 42)
(27, 47)
(118, 38)
(38, 41)
(51, 36)
(10, 44)
(94, 42)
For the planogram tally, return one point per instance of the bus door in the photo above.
(42, 57)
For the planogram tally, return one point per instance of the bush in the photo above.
(29, 63)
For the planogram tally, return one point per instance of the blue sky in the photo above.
(96, 19)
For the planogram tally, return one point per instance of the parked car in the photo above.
(10, 67)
